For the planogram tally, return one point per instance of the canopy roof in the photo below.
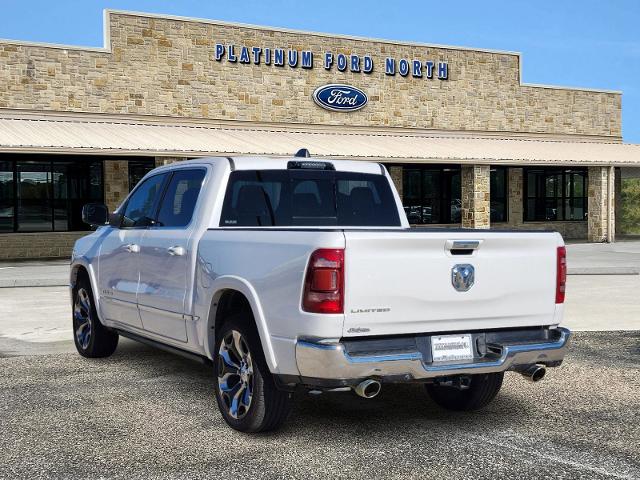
(182, 137)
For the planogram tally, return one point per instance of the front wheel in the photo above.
(91, 338)
(480, 392)
(245, 389)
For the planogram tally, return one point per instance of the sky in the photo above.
(584, 43)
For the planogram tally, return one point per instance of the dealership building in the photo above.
(466, 141)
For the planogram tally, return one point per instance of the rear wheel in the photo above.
(245, 389)
(91, 338)
(480, 392)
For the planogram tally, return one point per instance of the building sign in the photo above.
(280, 57)
(340, 98)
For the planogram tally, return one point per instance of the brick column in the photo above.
(599, 205)
(116, 182)
(475, 196)
(161, 161)
(515, 196)
(396, 176)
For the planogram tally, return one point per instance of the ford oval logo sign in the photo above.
(340, 98)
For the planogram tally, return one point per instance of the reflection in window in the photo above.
(179, 201)
(498, 195)
(140, 207)
(34, 197)
(555, 194)
(431, 194)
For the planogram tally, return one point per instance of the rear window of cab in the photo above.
(298, 198)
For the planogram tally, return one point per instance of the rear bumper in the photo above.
(345, 362)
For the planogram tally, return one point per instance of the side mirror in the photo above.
(95, 214)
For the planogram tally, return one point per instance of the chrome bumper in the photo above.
(332, 361)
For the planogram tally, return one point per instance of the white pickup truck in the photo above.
(298, 274)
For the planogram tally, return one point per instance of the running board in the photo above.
(167, 348)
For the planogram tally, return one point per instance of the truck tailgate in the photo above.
(400, 282)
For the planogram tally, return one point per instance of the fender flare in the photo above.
(232, 282)
(73, 274)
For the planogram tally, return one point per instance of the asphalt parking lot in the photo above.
(146, 414)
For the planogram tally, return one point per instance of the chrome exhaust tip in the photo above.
(368, 388)
(534, 373)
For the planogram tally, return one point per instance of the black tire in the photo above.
(267, 407)
(482, 390)
(92, 339)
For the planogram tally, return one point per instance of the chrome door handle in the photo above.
(176, 250)
(132, 248)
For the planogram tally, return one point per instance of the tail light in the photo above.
(561, 274)
(324, 283)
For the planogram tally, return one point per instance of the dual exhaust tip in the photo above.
(533, 373)
(371, 388)
(368, 388)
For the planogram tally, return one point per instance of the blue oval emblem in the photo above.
(340, 98)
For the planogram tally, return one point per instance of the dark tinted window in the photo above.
(140, 206)
(432, 194)
(498, 194)
(6, 197)
(180, 199)
(308, 198)
(555, 194)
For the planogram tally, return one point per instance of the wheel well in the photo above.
(225, 304)
(77, 273)
(229, 303)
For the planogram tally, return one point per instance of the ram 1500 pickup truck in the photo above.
(298, 274)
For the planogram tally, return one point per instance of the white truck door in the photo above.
(118, 263)
(166, 254)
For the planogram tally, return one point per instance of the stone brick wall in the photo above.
(598, 221)
(116, 182)
(37, 245)
(167, 67)
(396, 176)
(475, 195)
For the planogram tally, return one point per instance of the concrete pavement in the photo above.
(145, 414)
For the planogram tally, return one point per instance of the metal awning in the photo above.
(187, 138)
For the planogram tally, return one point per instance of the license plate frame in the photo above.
(451, 348)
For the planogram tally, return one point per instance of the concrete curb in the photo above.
(603, 271)
(43, 282)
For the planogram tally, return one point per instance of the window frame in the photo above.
(563, 198)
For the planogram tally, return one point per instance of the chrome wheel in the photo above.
(235, 374)
(82, 318)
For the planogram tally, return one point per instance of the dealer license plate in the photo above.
(448, 348)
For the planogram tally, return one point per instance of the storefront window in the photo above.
(43, 193)
(498, 189)
(432, 194)
(555, 194)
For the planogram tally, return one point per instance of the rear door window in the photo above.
(256, 198)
